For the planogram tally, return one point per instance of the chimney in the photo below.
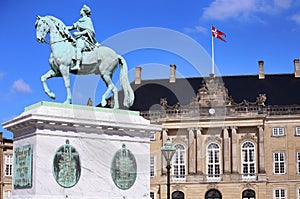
(172, 73)
(296, 66)
(138, 75)
(261, 69)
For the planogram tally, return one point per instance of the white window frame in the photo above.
(298, 192)
(280, 191)
(152, 166)
(297, 131)
(213, 162)
(277, 162)
(8, 165)
(248, 160)
(6, 194)
(298, 161)
(278, 131)
(152, 136)
(179, 164)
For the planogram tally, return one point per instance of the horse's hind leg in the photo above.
(110, 88)
(44, 78)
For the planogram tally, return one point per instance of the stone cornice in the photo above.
(54, 116)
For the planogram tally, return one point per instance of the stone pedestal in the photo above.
(71, 151)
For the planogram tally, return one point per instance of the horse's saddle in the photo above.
(91, 57)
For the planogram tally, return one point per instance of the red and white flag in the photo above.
(217, 33)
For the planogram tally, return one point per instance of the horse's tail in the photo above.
(128, 92)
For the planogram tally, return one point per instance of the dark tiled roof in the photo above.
(280, 89)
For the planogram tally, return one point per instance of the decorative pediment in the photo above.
(248, 136)
(180, 140)
(210, 139)
(248, 186)
(212, 93)
(212, 185)
(179, 187)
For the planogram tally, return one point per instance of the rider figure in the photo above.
(85, 34)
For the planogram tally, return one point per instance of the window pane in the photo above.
(8, 163)
(298, 161)
(279, 163)
(213, 161)
(279, 194)
(152, 166)
(248, 159)
(179, 162)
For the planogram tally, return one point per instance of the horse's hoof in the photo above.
(116, 107)
(52, 95)
(103, 103)
(67, 102)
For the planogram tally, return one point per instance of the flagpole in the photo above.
(212, 56)
(218, 34)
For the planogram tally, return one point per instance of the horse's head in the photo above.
(46, 24)
(42, 28)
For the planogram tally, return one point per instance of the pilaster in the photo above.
(226, 151)
(200, 155)
(234, 149)
(163, 161)
(261, 149)
(192, 151)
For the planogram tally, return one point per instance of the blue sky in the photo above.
(256, 30)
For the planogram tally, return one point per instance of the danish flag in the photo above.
(217, 33)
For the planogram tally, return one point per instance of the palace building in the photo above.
(235, 136)
(6, 166)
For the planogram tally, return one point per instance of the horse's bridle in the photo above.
(44, 39)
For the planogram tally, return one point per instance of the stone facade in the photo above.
(227, 149)
(6, 158)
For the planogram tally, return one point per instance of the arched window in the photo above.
(213, 194)
(177, 195)
(248, 194)
(213, 161)
(178, 169)
(248, 160)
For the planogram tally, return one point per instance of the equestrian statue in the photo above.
(81, 55)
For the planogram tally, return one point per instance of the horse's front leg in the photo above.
(44, 78)
(64, 70)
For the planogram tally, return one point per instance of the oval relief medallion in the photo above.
(123, 168)
(66, 166)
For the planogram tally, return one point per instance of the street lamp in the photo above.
(168, 151)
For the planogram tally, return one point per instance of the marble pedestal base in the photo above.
(44, 129)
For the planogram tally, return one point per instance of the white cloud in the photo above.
(21, 86)
(224, 9)
(296, 18)
(196, 29)
(283, 3)
(201, 29)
